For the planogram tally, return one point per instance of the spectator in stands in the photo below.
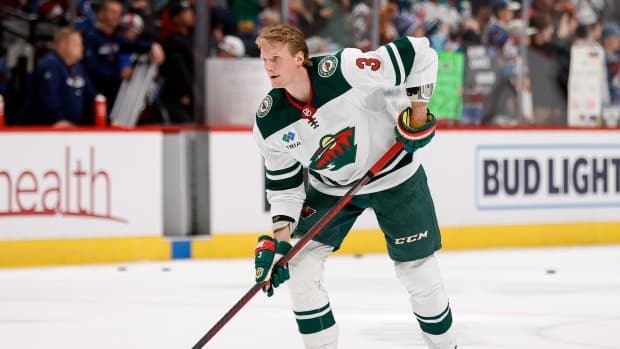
(433, 11)
(548, 86)
(269, 17)
(131, 29)
(482, 13)
(231, 47)
(337, 28)
(611, 45)
(103, 45)
(313, 16)
(387, 27)
(503, 11)
(142, 9)
(178, 71)
(54, 11)
(224, 23)
(361, 18)
(543, 8)
(87, 14)
(62, 93)
(470, 33)
(246, 12)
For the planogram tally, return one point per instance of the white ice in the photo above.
(566, 298)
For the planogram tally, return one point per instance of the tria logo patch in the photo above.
(327, 66)
(288, 137)
(335, 151)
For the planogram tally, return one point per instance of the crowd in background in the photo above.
(55, 55)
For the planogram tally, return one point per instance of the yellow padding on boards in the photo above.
(531, 235)
(107, 250)
(453, 238)
(82, 251)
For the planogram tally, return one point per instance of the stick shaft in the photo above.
(343, 201)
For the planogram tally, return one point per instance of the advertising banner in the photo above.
(477, 178)
(545, 176)
(71, 184)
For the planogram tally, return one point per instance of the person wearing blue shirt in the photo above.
(62, 92)
(103, 46)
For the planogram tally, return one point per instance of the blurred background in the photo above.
(508, 63)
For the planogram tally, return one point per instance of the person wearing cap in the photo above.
(131, 26)
(144, 10)
(103, 45)
(178, 71)
(503, 11)
(611, 41)
(230, 47)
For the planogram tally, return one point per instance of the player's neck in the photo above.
(300, 87)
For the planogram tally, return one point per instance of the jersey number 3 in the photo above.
(373, 63)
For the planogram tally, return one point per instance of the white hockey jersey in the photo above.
(345, 126)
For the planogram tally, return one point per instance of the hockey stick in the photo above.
(378, 166)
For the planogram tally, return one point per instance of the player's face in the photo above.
(281, 66)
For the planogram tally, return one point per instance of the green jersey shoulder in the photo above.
(276, 112)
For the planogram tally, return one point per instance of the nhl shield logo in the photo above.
(265, 106)
(327, 66)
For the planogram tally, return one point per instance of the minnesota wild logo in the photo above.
(335, 151)
(265, 106)
(327, 66)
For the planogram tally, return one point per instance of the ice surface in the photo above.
(547, 298)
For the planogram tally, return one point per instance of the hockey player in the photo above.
(329, 115)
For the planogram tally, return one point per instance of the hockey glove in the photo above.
(414, 138)
(268, 252)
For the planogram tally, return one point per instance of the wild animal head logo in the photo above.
(335, 151)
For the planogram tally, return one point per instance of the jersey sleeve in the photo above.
(410, 61)
(283, 179)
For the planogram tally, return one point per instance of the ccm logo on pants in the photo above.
(411, 238)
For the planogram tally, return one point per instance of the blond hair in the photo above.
(63, 33)
(285, 34)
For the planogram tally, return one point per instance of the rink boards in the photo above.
(87, 196)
